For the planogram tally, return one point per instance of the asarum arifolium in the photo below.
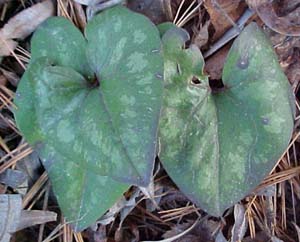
(89, 105)
(218, 145)
(92, 106)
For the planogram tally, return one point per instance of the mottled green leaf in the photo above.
(217, 145)
(63, 43)
(95, 141)
(164, 27)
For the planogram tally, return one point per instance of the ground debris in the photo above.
(23, 24)
(281, 16)
(13, 218)
(272, 212)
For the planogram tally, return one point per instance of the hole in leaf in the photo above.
(216, 85)
(195, 80)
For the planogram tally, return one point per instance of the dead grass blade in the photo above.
(78, 237)
(16, 155)
(73, 11)
(67, 233)
(11, 124)
(176, 213)
(188, 15)
(181, 234)
(45, 205)
(268, 212)
(34, 189)
(55, 233)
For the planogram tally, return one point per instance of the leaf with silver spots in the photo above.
(218, 145)
(90, 106)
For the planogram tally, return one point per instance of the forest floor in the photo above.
(270, 213)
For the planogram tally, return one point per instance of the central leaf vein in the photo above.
(115, 131)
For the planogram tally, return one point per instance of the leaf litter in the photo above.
(14, 218)
(284, 179)
(23, 24)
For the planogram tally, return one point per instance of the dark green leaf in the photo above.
(60, 41)
(217, 145)
(164, 27)
(94, 140)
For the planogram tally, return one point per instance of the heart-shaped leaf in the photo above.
(218, 144)
(93, 139)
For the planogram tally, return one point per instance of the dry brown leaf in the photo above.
(23, 24)
(202, 232)
(80, 16)
(10, 212)
(275, 239)
(3, 80)
(12, 178)
(214, 64)
(288, 51)
(200, 38)
(179, 233)
(286, 25)
(221, 11)
(240, 225)
(150, 191)
(176, 229)
(123, 206)
(10, 76)
(7, 46)
(220, 237)
(13, 218)
(31, 166)
(100, 234)
(3, 1)
(30, 218)
(3, 189)
(293, 73)
(157, 10)
(152, 204)
(261, 236)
